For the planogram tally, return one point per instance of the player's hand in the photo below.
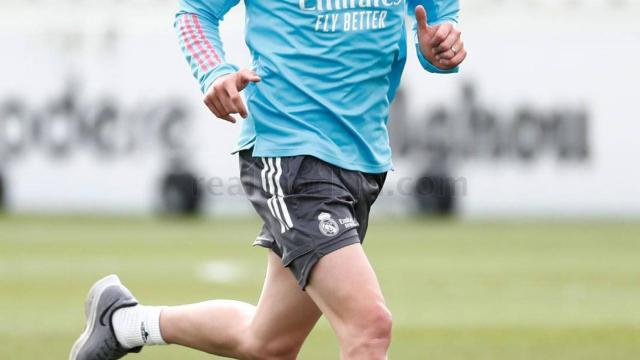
(223, 97)
(441, 44)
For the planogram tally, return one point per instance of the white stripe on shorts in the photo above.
(265, 169)
(285, 211)
(269, 173)
(263, 174)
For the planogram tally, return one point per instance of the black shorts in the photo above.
(310, 208)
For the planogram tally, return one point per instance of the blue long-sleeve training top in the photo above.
(329, 69)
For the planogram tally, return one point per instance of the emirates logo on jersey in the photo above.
(322, 5)
(349, 15)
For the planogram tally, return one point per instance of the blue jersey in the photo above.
(329, 70)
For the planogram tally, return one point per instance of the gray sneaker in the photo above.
(98, 341)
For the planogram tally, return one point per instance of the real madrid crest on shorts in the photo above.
(328, 226)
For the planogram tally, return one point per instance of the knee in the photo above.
(378, 324)
(274, 349)
(372, 332)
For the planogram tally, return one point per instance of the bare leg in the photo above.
(346, 289)
(274, 329)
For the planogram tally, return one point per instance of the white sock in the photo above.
(137, 326)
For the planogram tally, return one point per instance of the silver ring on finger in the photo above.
(453, 48)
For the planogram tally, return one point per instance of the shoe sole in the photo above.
(91, 311)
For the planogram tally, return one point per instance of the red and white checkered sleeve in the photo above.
(197, 26)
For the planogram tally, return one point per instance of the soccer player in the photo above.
(314, 152)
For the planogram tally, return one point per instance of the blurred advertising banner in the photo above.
(98, 113)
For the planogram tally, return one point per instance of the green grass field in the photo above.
(457, 290)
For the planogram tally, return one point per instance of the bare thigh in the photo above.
(346, 289)
(285, 315)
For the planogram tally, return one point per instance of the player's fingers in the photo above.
(245, 76)
(236, 99)
(450, 54)
(225, 98)
(210, 101)
(215, 103)
(229, 118)
(222, 113)
(421, 18)
(455, 61)
(211, 108)
(450, 41)
(229, 106)
(441, 34)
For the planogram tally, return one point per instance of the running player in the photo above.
(314, 152)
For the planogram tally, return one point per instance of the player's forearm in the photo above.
(199, 37)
